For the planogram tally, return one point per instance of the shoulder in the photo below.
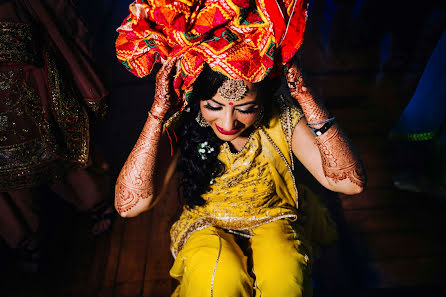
(288, 112)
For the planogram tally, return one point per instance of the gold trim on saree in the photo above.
(290, 115)
(18, 43)
(229, 223)
(69, 114)
(36, 147)
(26, 152)
(216, 264)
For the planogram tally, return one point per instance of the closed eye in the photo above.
(210, 107)
(248, 111)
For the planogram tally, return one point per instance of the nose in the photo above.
(229, 121)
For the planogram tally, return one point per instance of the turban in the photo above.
(242, 39)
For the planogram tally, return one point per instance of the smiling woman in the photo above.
(241, 229)
(210, 118)
(231, 120)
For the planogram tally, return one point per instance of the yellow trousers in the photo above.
(213, 264)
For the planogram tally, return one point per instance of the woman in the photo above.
(213, 210)
(44, 123)
(239, 233)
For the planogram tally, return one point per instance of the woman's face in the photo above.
(230, 119)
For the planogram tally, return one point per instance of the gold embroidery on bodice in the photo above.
(243, 197)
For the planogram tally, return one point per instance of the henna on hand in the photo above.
(163, 95)
(136, 179)
(339, 159)
(313, 110)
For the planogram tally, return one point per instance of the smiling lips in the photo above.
(222, 131)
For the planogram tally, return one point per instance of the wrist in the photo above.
(157, 118)
(319, 128)
(158, 112)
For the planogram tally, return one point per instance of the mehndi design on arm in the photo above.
(339, 159)
(314, 111)
(135, 181)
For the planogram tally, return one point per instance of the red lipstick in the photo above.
(222, 131)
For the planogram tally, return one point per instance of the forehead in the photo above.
(251, 95)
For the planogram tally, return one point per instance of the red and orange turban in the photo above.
(242, 39)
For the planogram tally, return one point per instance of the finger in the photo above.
(293, 76)
(168, 67)
(293, 70)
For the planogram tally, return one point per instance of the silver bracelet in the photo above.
(321, 122)
(321, 130)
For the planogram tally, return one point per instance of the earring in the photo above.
(201, 121)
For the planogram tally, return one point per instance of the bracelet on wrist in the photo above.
(159, 119)
(321, 130)
(322, 122)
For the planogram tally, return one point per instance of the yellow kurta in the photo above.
(252, 198)
(255, 187)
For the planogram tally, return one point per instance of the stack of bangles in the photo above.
(319, 131)
(159, 119)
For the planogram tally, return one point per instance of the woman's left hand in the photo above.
(330, 157)
(314, 111)
(295, 82)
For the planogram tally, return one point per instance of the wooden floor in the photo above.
(390, 241)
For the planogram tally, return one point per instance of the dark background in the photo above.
(363, 58)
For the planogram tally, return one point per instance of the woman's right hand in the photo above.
(164, 97)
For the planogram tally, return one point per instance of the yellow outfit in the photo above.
(254, 198)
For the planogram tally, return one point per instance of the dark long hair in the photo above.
(197, 172)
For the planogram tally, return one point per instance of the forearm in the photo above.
(340, 161)
(135, 184)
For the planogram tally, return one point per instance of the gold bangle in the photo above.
(160, 120)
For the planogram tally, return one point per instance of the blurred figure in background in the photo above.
(419, 136)
(48, 92)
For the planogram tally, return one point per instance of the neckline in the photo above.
(245, 145)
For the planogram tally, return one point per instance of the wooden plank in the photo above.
(159, 260)
(112, 260)
(355, 117)
(158, 288)
(318, 58)
(106, 289)
(393, 220)
(15, 288)
(131, 268)
(89, 263)
(75, 289)
(373, 198)
(369, 143)
(133, 252)
(377, 159)
(397, 245)
(99, 263)
(136, 227)
(128, 289)
(339, 84)
(377, 178)
(370, 198)
(408, 272)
